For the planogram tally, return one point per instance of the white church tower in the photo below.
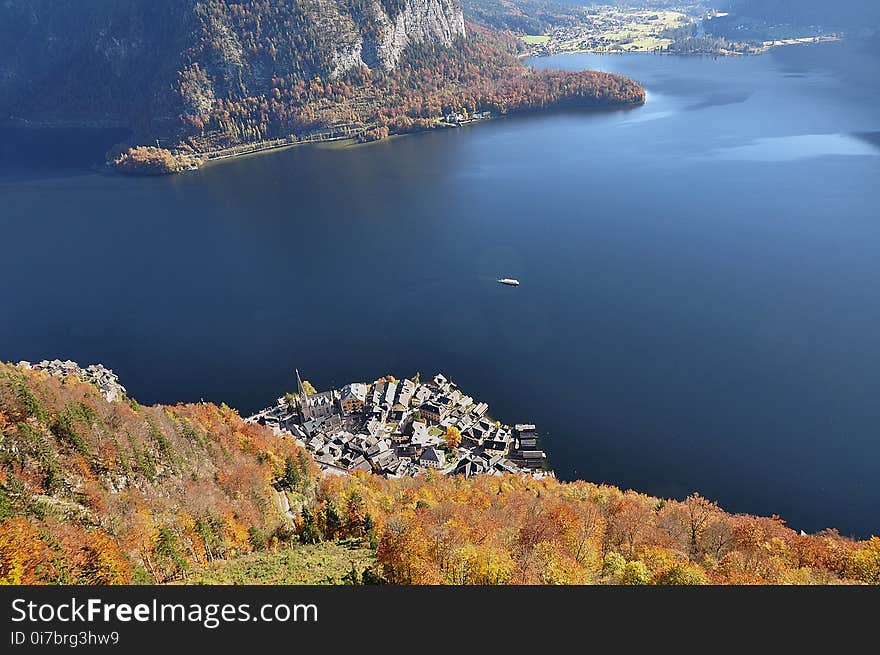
(303, 399)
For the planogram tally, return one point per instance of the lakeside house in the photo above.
(353, 397)
(432, 458)
(430, 412)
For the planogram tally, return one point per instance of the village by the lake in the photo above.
(399, 428)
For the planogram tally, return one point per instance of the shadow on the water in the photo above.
(721, 99)
(871, 138)
(522, 117)
(27, 152)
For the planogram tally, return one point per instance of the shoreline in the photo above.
(764, 48)
(132, 160)
(126, 158)
(351, 141)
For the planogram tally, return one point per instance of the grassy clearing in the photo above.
(318, 564)
(535, 40)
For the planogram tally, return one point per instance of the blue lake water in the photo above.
(700, 298)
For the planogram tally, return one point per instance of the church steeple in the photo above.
(303, 398)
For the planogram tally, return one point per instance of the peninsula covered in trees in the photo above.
(477, 73)
(101, 491)
(214, 78)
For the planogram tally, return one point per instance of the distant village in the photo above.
(609, 29)
(399, 428)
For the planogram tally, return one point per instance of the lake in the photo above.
(700, 298)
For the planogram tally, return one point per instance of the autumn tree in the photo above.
(629, 520)
(634, 573)
(149, 160)
(355, 515)
(24, 557)
(613, 565)
(865, 562)
(586, 529)
(103, 563)
(453, 437)
(680, 574)
(699, 512)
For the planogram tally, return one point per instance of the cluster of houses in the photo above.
(101, 377)
(399, 428)
(462, 117)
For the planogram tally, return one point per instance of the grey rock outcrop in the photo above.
(419, 21)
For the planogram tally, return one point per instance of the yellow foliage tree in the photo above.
(103, 562)
(237, 534)
(453, 437)
(865, 562)
(24, 558)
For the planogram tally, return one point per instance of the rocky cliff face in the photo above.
(376, 34)
(438, 21)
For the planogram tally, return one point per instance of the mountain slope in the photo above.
(202, 77)
(99, 492)
(129, 54)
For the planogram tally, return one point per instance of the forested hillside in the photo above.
(94, 492)
(521, 16)
(150, 60)
(98, 492)
(200, 76)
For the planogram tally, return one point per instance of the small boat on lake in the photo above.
(509, 282)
